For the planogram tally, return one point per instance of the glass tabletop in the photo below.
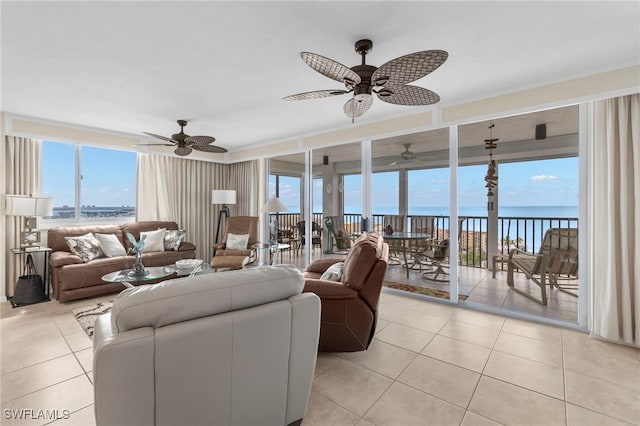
(155, 273)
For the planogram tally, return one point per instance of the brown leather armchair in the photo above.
(350, 306)
(238, 225)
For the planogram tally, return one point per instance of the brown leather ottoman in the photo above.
(229, 262)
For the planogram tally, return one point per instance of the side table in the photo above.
(24, 251)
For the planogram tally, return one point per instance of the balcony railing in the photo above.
(524, 233)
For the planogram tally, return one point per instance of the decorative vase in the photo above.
(138, 268)
(388, 230)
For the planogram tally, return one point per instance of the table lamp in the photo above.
(29, 207)
(274, 205)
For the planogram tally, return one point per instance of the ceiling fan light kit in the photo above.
(185, 144)
(388, 82)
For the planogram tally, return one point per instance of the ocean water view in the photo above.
(481, 211)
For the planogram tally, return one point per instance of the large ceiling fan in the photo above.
(389, 82)
(185, 144)
(408, 156)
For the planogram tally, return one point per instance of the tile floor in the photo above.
(481, 288)
(429, 363)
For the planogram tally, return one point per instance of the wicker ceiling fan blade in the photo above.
(209, 148)
(200, 140)
(355, 107)
(316, 94)
(153, 144)
(161, 137)
(330, 68)
(408, 68)
(183, 151)
(408, 95)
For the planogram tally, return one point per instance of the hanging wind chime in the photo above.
(491, 178)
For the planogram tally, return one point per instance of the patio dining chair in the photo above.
(396, 247)
(316, 235)
(438, 258)
(557, 259)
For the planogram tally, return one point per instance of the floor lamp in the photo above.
(224, 197)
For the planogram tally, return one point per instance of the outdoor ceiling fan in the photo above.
(389, 82)
(408, 156)
(184, 143)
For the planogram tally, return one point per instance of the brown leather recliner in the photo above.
(239, 225)
(350, 306)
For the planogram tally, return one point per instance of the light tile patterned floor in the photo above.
(429, 363)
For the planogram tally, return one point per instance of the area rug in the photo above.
(87, 316)
(443, 294)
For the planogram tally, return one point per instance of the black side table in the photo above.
(24, 251)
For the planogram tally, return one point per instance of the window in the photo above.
(317, 195)
(352, 194)
(89, 183)
(429, 192)
(386, 192)
(287, 189)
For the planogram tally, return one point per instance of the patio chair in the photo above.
(557, 258)
(438, 258)
(316, 234)
(396, 247)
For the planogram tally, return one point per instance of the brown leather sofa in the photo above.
(350, 306)
(72, 278)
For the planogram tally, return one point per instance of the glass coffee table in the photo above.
(153, 273)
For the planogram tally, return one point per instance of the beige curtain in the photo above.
(23, 177)
(244, 177)
(179, 189)
(615, 219)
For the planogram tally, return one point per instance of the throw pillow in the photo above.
(333, 272)
(173, 239)
(110, 245)
(154, 240)
(237, 242)
(86, 246)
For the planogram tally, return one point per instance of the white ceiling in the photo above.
(139, 66)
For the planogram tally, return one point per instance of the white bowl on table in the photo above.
(188, 264)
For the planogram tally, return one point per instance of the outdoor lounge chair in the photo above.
(557, 258)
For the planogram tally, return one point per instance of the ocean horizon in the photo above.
(481, 211)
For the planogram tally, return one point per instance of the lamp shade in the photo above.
(274, 205)
(223, 196)
(24, 205)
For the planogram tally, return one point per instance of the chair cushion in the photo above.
(154, 241)
(184, 299)
(173, 238)
(237, 241)
(86, 246)
(110, 245)
(333, 272)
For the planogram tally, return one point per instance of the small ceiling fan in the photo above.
(389, 82)
(407, 156)
(184, 143)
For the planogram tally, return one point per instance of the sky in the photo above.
(109, 180)
(108, 176)
(552, 182)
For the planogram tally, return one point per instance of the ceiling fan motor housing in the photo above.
(365, 72)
